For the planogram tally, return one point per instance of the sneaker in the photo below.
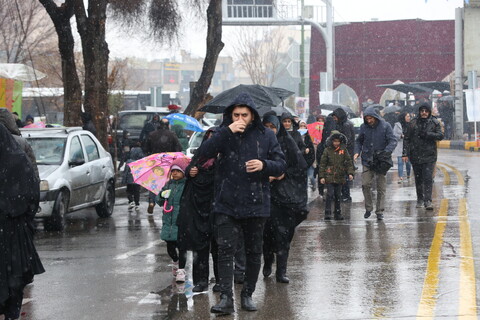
(428, 205)
(347, 199)
(379, 216)
(181, 275)
(150, 207)
(174, 268)
(400, 180)
(419, 204)
(131, 205)
(137, 208)
(367, 214)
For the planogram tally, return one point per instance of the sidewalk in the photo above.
(458, 145)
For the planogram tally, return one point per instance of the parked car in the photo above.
(194, 142)
(76, 172)
(134, 120)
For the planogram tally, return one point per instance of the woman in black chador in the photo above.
(195, 221)
(288, 203)
(19, 198)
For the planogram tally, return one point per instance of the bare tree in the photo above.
(214, 46)
(259, 54)
(24, 31)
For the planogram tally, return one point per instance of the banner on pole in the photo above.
(472, 100)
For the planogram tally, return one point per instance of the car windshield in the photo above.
(48, 151)
(133, 121)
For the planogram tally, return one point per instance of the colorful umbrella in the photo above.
(152, 172)
(315, 131)
(187, 122)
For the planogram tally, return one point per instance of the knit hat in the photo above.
(180, 164)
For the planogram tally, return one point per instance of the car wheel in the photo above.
(105, 208)
(56, 222)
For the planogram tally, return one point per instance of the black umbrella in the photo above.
(279, 110)
(392, 109)
(448, 98)
(332, 107)
(264, 97)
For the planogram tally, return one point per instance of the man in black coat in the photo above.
(248, 155)
(158, 141)
(345, 127)
(420, 146)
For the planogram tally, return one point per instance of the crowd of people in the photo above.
(243, 193)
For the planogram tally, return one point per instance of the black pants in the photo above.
(201, 264)
(11, 307)
(277, 236)
(227, 232)
(334, 194)
(346, 189)
(133, 193)
(424, 180)
(181, 256)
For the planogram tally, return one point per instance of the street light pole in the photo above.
(302, 54)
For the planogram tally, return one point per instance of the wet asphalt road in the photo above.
(415, 263)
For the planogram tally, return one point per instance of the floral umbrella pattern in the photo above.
(152, 172)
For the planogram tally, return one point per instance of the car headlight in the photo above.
(44, 185)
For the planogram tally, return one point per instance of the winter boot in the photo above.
(267, 265)
(247, 303)
(282, 268)
(328, 215)
(225, 306)
(338, 215)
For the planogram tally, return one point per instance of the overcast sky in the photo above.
(194, 33)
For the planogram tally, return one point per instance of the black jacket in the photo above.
(238, 193)
(420, 141)
(345, 127)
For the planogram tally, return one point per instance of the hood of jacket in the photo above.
(288, 115)
(336, 135)
(243, 99)
(372, 112)
(340, 114)
(425, 105)
(7, 119)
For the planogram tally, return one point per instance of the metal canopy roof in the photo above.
(407, 87)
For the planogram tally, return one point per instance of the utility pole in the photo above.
(301, 90)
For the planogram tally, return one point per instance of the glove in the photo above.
(165, 194)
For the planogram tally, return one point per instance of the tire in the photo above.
(56, 222)
(105, 208)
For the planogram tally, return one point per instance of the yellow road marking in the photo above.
(446, 175)
(460, 179)
(468, 298)
(428, 301)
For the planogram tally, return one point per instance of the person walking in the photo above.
(133, 189)
(420, 147)
(335, 165)
(158, 141)
(345, 126)
(288, 198)
(169, 197)
(19, 200)
(195, 221)
(248, 154)
(149, 127)
(399, 132)
(375, 143)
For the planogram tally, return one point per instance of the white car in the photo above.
(75, 173)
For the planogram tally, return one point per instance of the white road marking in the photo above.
(138, 250)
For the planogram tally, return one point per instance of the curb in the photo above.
(458, 145)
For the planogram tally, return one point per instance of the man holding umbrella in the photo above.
(248, 155)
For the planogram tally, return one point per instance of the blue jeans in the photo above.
(310, 175)
(400, 167)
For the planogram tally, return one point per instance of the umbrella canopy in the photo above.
(392, 109)
(279, 110)
(448, 98)
(332, 107)
(264, 97)
(186, 122)
(407, 87)
(152, 172)
(315, 131)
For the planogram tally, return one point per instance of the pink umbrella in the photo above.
(152, 172)
(38, 124)
(315, 131)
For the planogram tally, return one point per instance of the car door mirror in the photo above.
(76, 163)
